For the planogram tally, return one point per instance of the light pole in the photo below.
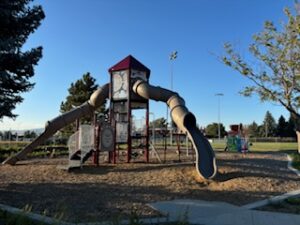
(219, 95)
(172, 57)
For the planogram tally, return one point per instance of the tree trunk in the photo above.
(296, 121)
(298, 140)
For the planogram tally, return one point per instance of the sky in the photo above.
(80, 36)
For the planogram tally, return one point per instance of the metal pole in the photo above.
(219, 126)
(153, 129)
(173, 56)
(219, 114)
(147, 133)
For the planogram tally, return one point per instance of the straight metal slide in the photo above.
(97, 99)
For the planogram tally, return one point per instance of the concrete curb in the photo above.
(272, 200)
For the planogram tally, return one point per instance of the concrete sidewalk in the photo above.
(220, 213)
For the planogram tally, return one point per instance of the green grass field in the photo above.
(256, 146)
(279, 146)
(288, 147)
(264, 146)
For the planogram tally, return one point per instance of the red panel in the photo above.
(130, 63)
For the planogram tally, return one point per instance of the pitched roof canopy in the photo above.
(130, 63)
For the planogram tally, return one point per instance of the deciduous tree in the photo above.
(159, 123)
(276, 76)
(212, 130)
(30, 134)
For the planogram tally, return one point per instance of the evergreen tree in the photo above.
(269, 126)
(281, 129)
(253, 130)
(79, 93)
(18, 19)
(291, 128)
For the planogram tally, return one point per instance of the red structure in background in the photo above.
(236, 129)
(236, 139)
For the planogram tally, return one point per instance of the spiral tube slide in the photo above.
(186, 121)
(97, 99)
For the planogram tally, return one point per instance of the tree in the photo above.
(212, 130)
(291, 128)
(253, 130)
(281, 129)
(18, 19)
(30, 134)
(269, 125)
(277, 78)
(159, 123)
(7, 135)
(79, 93)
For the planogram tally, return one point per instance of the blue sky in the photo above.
(90, 36)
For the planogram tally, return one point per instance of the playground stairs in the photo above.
(76, 160)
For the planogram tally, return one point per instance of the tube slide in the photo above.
(96, 100)
(186, 121)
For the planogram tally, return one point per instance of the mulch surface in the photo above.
(104, 192)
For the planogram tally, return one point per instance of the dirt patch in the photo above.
(100, 193)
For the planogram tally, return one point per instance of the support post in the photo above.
(147, 134)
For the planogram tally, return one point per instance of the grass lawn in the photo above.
(264, 146)
(288, 147)
(269, 146)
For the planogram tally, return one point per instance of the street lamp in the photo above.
(172, 57)
(219, 95)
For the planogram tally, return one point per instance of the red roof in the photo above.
(129, 62)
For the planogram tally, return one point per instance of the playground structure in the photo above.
(236, 139)
(129, 89)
